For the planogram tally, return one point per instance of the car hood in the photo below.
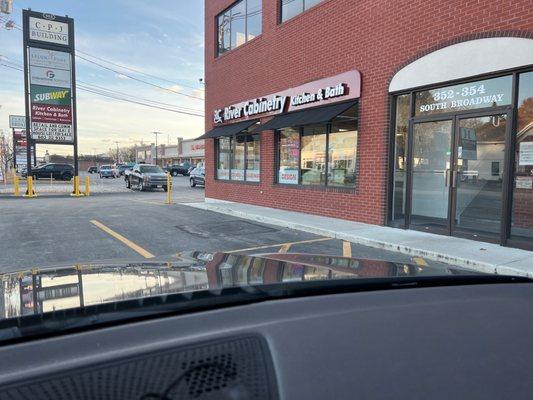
(44, 290)
(155, 174)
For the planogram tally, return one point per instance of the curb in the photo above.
(408, 250)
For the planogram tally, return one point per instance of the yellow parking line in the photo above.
(149, 202)
(279, 245)
(420, 261)
(127, 242)
(285, 248)
(346, 249)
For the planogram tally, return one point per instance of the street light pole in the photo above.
(117, 151)
(156, 134)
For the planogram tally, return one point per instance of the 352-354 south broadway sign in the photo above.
(341, 87)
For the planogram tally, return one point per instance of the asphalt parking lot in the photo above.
(131, 225)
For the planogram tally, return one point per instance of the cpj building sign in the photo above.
(50, 74)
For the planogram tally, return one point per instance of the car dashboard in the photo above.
(449, 342)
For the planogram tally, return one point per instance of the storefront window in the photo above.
(253, 158)
(238, 24)
(239, 158)
(481, 94)
(320, 155)
(313, 159)
(289, 156)
(342, 153)
(522, 217)
(237, 167)
(224, 156)
(400, 143)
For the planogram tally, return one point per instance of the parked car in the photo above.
(197, 177)
(92, 170)
(122, 169)
(63, 172)
(146, 176)
(108, 171)
(179, 169)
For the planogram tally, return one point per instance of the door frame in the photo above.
(452, 196)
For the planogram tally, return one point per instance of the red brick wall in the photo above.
(376, 37)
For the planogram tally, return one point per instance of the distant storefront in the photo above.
(371, 122)
(192, 151)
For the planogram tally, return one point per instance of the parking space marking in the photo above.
(420, 261)
(346, 249)
(157, 203)
(127, 242)
(285, 248)
(280, 245)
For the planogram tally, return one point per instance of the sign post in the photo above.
(49, 82)
(18, 122)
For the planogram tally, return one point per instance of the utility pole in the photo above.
(117, 151)
(156, 151)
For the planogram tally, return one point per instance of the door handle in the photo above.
(454, 179)
(447, 178)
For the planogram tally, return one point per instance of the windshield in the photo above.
(134, 132)
(151, 168)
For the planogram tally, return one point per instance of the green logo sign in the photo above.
(50, 95)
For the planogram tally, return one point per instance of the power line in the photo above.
(137, 71)
(95, 91)
(122, 73)
(87, 89)
(140, 80)
(114, 92)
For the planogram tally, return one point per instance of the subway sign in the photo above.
(345, 86)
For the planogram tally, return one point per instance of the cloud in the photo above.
(120, 76)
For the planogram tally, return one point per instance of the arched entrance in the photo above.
(461, 159)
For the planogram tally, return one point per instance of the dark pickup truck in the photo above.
(146, 176)
(179, 169)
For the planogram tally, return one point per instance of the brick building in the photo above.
(413, 114)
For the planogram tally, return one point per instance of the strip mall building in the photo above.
(416, 115)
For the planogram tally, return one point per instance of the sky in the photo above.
(163, 38)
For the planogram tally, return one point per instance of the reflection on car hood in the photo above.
(51, 289)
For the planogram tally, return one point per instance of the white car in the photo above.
(108, 171)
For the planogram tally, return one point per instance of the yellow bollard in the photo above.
(76, 192)
(169, 189)
(87, 186)
(30, 192)
(16, 185)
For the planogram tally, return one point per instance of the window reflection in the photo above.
(253, 158)
(342, 153)
(313, 161)
(237, 167)
(400, 141)
(289, 156)
(224, 152)
(238, 24)
(522, 216)
(291, 8)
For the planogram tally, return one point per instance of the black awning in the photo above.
(228, 130)
(310, 116)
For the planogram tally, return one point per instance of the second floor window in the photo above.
(291, 8)
(238, 24)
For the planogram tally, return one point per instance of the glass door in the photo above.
(430, 175)
(478, 175)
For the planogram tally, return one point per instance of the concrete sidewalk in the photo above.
(480, 256)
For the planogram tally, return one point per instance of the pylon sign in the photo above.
(50, 83)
